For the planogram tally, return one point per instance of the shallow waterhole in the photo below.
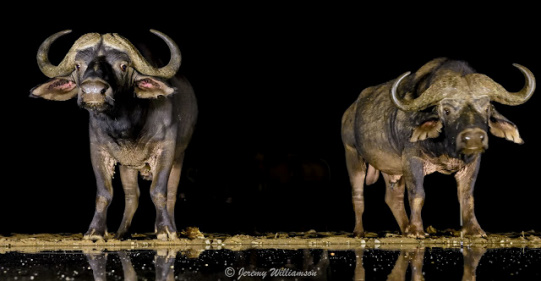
(276, 264)
(273, 256)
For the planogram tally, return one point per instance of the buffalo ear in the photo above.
(428, 129)
(503, 128)
(57, 89)
(147, 87)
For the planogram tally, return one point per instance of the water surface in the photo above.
(468, 263)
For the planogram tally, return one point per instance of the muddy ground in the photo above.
(193, 239)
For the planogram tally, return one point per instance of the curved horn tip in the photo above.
(157, 32)
(60, 33)
(522, 68)
(517, 98)
(399, 80)
(172, 67)
(394, 89)
(42, 55)
(528, 74)
(404, 75)
(162, 35)
(517, 65)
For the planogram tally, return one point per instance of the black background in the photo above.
(273, 79)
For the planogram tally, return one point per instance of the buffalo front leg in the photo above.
(164, 226)
(465, 179)
(172, 187)
(104, 168)
(414, 177)
(394, 197)
(357, 174)
(129, 178)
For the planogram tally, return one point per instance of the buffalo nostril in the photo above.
(473, 136)
(472, 141)
(94, 87)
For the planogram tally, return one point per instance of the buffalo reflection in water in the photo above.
(163, 262)
(414, 259)
(322, 262)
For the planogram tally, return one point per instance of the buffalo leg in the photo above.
(103, 170)
(465, 179)
(414, 178)
(129, 178)
(164, 227)
(172, 187)
(394, 197)
(357, 174)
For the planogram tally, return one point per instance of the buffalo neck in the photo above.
(125, 120)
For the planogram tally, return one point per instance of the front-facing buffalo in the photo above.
(141, 117)
(435, 120)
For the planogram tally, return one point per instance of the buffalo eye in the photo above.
(77, 66)
(123, 67)
(447, 111)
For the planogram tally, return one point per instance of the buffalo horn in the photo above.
(139, 62)
(396, 100)
(443, 88)
(67, 65)
(500, 95)
(450, 84)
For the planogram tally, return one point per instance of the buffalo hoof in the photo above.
(420, 235)
(166, 235)
(94, 235)
(415, 232)
(120, 236)
(473, 232)
(358, 232)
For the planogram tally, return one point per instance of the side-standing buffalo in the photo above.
(141, 117)
(435, 120)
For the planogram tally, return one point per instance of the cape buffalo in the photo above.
(141, 117)
(435, 120)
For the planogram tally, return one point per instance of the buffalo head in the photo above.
(457, 100)
(98, 68)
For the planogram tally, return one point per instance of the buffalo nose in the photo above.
(94, 87)
(94, 92)
(472, 140)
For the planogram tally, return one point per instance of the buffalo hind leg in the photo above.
(129, 178)
(394, 197)
(357, 174)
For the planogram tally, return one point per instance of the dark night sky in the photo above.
(269, 79)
